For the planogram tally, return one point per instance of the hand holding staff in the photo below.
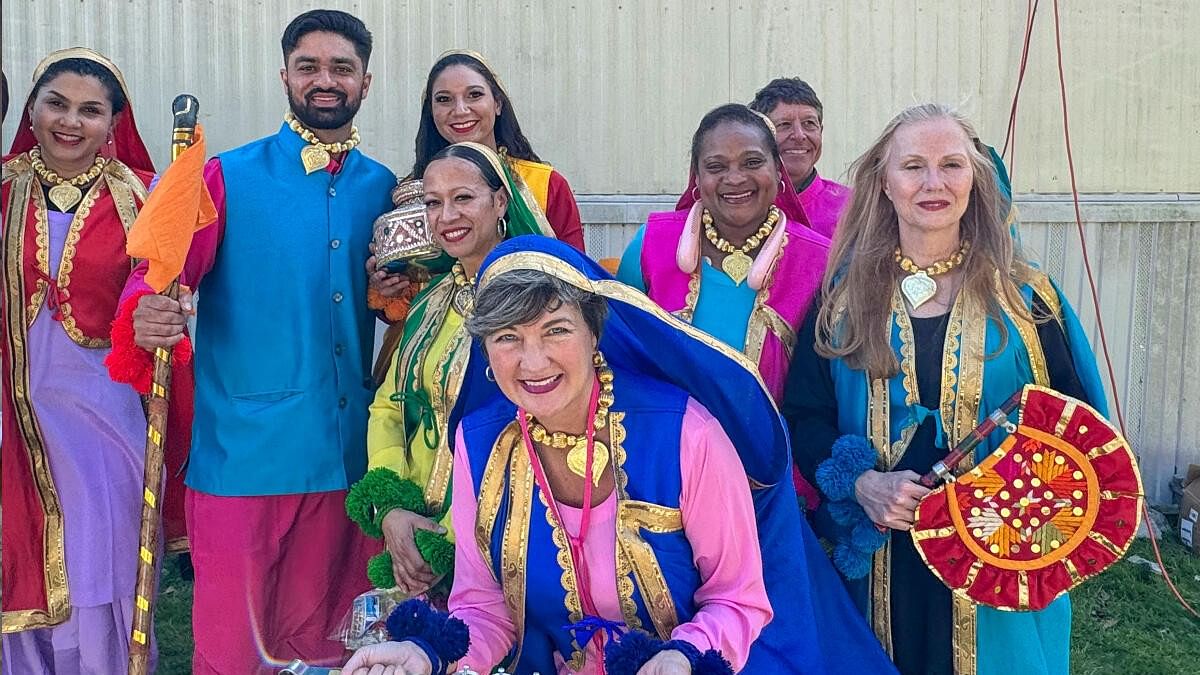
(183, 135)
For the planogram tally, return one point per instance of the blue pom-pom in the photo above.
(853, 564)
(452, 641)
(408, 619)
(846, 512)
(835, 480)
(712, 663)
(866, 537)
(627, 655)
(851, 456)
(855, 453)
(415, 619)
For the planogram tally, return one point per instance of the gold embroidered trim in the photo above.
(964, 614)
(969, 392)
(625, 572)
(67, 265)
(881, 596)
(1028, 332)
(54, 570)
(515, 546)
(689, 301)
(491, 490)
(646, 516)
(452, 366)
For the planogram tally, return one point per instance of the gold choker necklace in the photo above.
(920, 286)
(736, 263)
(463, 300)
(576, 445)
(66, 193)
(316, 155)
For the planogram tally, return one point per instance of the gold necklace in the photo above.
(576, 445)
(463, 299)
(66, 193)
(736, 263)
(315, 156)
(920, 286)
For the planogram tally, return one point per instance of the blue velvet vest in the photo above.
(283, 334)
(649, 416)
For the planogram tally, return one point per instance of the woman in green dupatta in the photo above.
(472, 206)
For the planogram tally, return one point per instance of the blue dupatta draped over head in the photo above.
(816, 627)
(642, 337)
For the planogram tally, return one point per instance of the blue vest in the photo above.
(283, 333)
(653, 421)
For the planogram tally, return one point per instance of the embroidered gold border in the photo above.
(491, 490)
(570, 583)
(625, 571)
(1028, 332)
(54, 570)
(531, 201)
(452, 366)
(689, 301)
(515, 545)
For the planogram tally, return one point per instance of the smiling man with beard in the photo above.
(282, 362)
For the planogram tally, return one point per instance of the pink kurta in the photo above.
(823, 201)
(718, 520)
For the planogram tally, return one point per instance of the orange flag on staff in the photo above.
(179, 206)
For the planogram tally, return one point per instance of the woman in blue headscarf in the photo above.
(630, 457)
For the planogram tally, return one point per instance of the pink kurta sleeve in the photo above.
(718, 519)
(203, 252)
(477, 598)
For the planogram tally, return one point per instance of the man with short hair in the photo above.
(794, 109)
(282, 363)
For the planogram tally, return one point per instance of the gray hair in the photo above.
(521, 296)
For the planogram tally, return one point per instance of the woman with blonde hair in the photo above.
(930, 317)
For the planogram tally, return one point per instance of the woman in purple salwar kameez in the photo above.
(72, 439)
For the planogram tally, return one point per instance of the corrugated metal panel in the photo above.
(611, 91)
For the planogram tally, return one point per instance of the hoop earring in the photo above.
(489, 374)
(502, 227)
(782, 187)
(696, 193)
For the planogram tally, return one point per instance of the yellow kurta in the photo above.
(406, 435)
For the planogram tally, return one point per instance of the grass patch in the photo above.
(1125, 621)
(173, 620)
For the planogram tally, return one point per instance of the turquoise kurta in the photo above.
(722, 310)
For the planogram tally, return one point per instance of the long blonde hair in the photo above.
(861, 276)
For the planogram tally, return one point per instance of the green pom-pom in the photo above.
(436, 550)
(380, 491)
(379, 571)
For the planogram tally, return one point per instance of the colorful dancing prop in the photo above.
(184, 108)
(1057, 503)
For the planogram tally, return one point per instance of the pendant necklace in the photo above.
(316, 155)
(65, 193)
(577, 445)
(737, 263)
(920, 286)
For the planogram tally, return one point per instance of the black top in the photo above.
(921, 613)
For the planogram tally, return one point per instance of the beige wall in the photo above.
(610, 91)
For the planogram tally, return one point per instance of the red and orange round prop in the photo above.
(1058, 502)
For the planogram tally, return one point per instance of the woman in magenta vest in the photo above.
(738, 264)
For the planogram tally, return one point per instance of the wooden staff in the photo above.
(184, 108)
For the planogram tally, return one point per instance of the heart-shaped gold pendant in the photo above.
(918, 288)
(737, 266)
(314, 158)
(65, 196)
(577, 460)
